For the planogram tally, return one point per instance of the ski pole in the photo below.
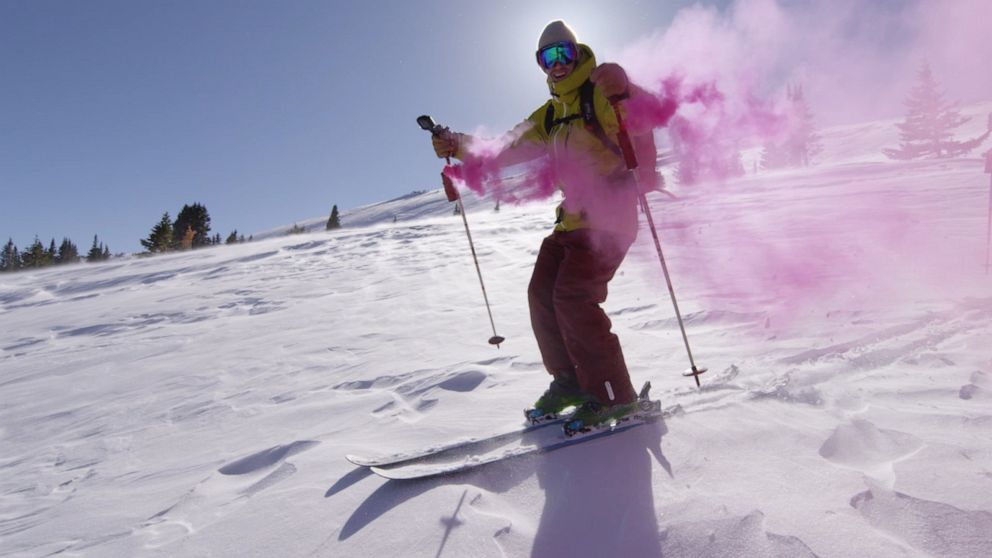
(630, 159)
(427, 123)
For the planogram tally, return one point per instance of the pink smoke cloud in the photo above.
(483, 172)
(857, 60)
(715, 81)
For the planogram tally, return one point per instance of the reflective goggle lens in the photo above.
(558, 53)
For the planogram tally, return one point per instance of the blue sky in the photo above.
(267, 112)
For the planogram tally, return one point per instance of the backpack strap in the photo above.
(588, 106)
(550, 121)
(587, 112)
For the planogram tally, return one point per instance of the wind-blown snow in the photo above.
(202, 403)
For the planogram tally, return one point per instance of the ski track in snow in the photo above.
(191, 404)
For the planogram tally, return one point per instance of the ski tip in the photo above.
(385, 473)
(358, 460)
(409, 473)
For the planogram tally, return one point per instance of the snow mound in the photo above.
(862, 445)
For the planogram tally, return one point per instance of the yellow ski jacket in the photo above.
(599, 191)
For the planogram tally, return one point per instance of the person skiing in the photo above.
(595, 226)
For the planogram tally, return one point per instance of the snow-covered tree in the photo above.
(928, 130)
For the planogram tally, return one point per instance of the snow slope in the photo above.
(202, 403)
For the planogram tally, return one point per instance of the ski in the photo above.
(471, 445)
(535, 441)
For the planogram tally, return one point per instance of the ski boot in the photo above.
(563, 394)
(593, 415)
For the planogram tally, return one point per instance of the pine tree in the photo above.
(98, 252)
(10, 257)
(297, 229)
(333, 222)
(195, 217)
(51, 254)
(232, 238)
(930, 121)
(68, 253)
(160, 239)
(94, 254)
(35, 255)
(802, 143)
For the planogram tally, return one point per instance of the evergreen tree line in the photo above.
(36, 255)
(927, 131)
(333, 222)
(191, 229)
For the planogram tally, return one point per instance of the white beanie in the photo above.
(556, 32)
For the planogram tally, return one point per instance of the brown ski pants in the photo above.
(573, 332)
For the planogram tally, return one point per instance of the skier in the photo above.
(595, 226)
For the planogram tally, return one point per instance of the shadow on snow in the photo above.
(598, 495)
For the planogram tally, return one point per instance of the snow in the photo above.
(202, 403)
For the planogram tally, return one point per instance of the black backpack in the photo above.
(587, 114)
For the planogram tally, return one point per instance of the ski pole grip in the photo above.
(623, 138)
(427, 123)
(449, 188)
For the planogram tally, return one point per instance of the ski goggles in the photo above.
(563, 52)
